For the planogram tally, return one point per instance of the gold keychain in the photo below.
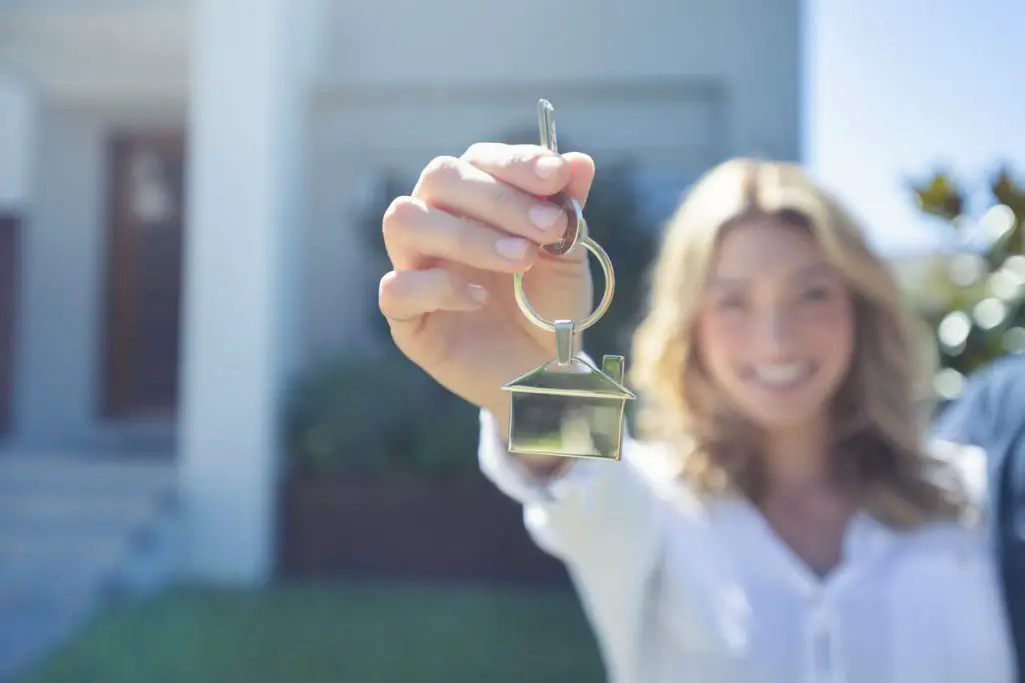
(568, 407)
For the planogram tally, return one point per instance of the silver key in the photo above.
(576, 227)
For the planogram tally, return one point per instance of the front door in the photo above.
(9, 269)
(145, 265)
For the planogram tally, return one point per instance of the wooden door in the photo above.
(9, 279)
(145, 266)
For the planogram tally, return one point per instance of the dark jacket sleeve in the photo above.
(991, 414)
(991, 410)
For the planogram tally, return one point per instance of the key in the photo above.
(568, 407)
(577, 226)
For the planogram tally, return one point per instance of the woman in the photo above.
(782, 524)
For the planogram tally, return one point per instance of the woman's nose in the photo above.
(776, 332)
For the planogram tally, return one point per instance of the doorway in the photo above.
(10, 226)
(145, 261)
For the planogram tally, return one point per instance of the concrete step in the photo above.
(75, 533)
(60, 546)
(22, 581)
(37, 513)
(109, 476)
(146, 438)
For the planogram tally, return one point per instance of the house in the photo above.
(180, 181)
(569, 409)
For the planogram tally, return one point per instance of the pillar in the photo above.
(248, 103)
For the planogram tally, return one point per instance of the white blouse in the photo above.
(687, 592)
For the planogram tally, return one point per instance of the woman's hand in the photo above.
(454, 245)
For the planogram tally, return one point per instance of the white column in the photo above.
(249, 98)
(18, 126)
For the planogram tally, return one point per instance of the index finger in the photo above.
(534, 169)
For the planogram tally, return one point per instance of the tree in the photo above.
(973, 301)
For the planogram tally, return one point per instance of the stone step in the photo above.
(26, 542)
(120, 560)
(94, 463)
(76, 532)
(24, 595)
(22, 580)
(27, 551)
(36, 513)
(39, 499)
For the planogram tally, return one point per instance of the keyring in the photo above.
(568, 407)
(576, 226)
(596, 315)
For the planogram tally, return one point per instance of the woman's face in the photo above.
(776, 324)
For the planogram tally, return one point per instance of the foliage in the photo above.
(380, 413)
(374, 411)
(973, 300)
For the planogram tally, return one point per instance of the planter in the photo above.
(406, 528)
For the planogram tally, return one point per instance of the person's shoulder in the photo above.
(1010, 363)
(990, 404)
(998, 381)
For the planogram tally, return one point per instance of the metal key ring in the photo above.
(596, 315)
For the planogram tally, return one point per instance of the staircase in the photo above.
(75, 533)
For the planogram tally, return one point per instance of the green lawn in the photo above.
(351, 633)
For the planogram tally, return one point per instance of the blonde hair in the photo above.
(879, 410)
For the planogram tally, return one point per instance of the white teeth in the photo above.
(781, 374)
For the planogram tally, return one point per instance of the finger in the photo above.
(535, 169)
(459, 187)
(404, 297)
(581, 175)
(415, 233)
(531, 168)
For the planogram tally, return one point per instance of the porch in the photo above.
(77, 532)
(146, 309)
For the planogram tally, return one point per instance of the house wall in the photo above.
(679, 84)
(63, 271)
(17, 136)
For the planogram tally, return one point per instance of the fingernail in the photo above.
(547, 167)
(544, 216)
(478, 293)
(511, 248)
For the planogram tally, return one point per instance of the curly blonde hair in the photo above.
(879, 410)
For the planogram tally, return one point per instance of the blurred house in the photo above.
(180, 183)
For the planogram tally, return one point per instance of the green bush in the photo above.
(973, 300)
(378, 415)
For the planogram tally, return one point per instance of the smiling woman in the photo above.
(776, 328)
(784, 522)
(797, 331)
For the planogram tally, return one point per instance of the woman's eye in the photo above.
(817, 294)
(730, 304)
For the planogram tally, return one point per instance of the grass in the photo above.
(348, 633)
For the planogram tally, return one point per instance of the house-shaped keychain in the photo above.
(568, 407)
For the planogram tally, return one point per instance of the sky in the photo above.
(899, 88)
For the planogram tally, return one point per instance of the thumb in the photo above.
(581, 175)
